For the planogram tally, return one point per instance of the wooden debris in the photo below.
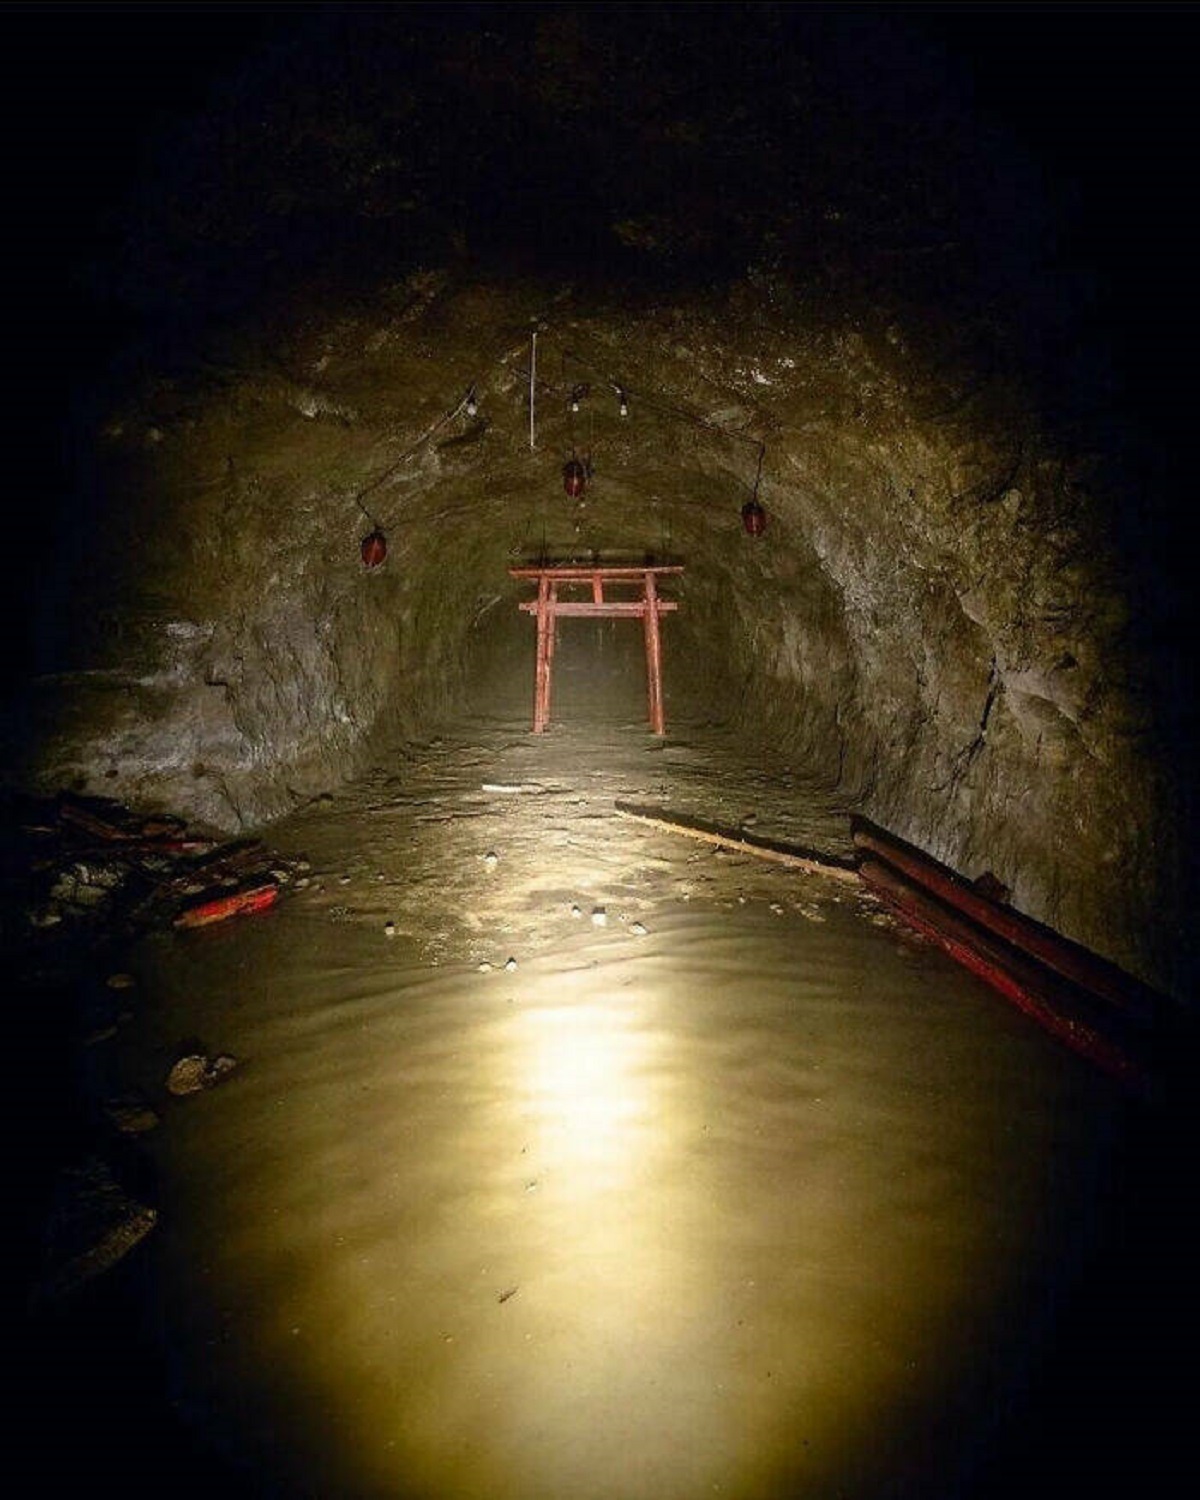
(515, 788)
(219, 908)
(1057, 1006)
(94, 1223)
(114, 824)
(808, 860)
(979, 901)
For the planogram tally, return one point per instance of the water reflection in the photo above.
(741, 1208)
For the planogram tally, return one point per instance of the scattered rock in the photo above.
(485, 967)
(599, 917)
(638, 929)
(510, 965)
(576, 909)
(389, 929)
(196, 1072)
(491, 859)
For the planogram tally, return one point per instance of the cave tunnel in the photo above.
(552, 1134)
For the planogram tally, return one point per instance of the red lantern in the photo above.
(574, 478)
(754, 518)
(374, 549)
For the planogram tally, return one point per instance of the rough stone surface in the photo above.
(955, 615)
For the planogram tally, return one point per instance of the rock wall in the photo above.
(937, 619)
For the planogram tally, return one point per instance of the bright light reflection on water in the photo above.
(746, 1207)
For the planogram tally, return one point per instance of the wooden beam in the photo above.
(654, 692)
(1068, 959)
(583, 574)
(610, 609)
(1056, 1005)
(541, 673)
(709, 833)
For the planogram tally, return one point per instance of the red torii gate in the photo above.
(549, 608)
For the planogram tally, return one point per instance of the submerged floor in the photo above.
(568, 1158)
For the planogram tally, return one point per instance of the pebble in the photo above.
(599, 917)
(510, 965)
(638, 929)
(389, 929)
(576, 909)
(491, 859)
(195, 1072)
(485, 967)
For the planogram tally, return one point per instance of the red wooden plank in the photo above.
(221, 907)
(1035, 991)
(541, 682)
(586, 574)
(1070, 960)
(653, 657)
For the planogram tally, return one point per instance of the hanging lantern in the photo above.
(754, 518)
(574, 478)
(374, 549)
